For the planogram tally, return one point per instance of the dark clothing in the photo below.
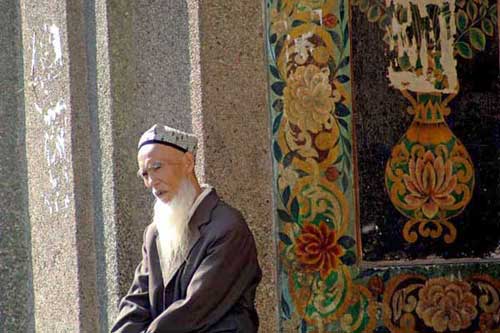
(213, 290)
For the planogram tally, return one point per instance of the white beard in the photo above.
(172, 222)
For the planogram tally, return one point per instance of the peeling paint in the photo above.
(303, 47)
(33, 54)
(60, 143)
(55, 39)
(54, 112)
(46, 68)
(425, 78)
(55, 153)
(422, 4)
(37, 108)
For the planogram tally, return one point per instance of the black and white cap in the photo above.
(171, 137)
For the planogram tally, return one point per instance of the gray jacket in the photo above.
(213, 290)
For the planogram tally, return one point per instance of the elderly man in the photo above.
(199, 268)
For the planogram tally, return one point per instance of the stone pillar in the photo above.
(147, 74)
(141, 65)
(58, 166)
(232, 119)
(111, 62)
(16, 303)
(97, 74)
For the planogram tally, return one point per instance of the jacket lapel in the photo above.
(200, 217)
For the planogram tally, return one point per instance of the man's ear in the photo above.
(189, 161)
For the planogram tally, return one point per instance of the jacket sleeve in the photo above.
(134, 311)
(228, 269)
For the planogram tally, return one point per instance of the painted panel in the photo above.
(348, 163)
(470, 231)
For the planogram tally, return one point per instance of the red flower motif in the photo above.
(317, 250)
(332, 173)
(330, 21)
(376, 285)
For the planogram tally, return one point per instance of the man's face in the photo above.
(162, 169)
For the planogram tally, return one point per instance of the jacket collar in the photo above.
(201, 216)
(203, 212)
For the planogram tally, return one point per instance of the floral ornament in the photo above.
(376, 285)
(489, 321)
(320, 55)
(317, 250)
(280, 22)
(337, 96)
(310, 4)
(286, 176)
(330, 20)
(302, 48)
(308, 98)
(430, 183)
(447, 304)
(332, 173)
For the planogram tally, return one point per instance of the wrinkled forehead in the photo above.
(157, 152)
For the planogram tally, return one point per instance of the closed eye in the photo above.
(155, 165)
(143, 173)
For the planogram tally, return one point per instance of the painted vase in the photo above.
(429, 176)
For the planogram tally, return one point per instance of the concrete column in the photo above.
(142, 71)
(230, 114)
(97, 74)
(58, 166)
(112, 80)
(16, 303)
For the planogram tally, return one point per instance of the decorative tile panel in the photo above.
(386, 142)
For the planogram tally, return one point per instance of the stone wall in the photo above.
(97, 74)
(386, 169)
(16, 304)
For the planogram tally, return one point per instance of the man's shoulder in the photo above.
(226, 219)
(224, 210)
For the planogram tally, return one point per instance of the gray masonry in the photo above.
(83, 79)
(16, 301)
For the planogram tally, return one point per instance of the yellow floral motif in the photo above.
(309, 170)
(311, 4)
(320, 55)
(326, 140)
(280, 22)
(321, 197)
(446, 304)
(302, 47)
(430, 183)
(308, 98)
(286, 177)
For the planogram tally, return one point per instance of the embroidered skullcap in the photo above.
(169, 136)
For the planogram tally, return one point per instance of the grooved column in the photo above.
(58, 166)
(140, 70)
(16, 303)
(230, 114)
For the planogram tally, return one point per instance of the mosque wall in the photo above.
(385, 152)
(92, 76)
(379, 123)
